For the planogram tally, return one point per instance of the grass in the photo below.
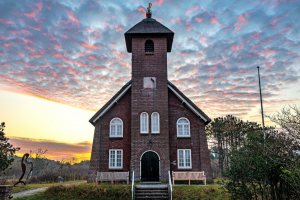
(29, 186)
(105, 191)
(197, 190)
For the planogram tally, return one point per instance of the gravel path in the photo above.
(32, 192)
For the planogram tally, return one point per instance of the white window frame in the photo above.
(182, 124)
(147, 125)
(116, 128)
(152, 124)
(115, 159)
(184, 159)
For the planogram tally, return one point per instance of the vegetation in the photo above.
(266, 168)
(227, 134)
(120, 191)
(21, 188)
(48, 171)
(83, 191)
(7, 151)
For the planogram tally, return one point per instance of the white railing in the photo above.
(170, 184)
(132, 184)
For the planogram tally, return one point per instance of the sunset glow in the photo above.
(61, 61)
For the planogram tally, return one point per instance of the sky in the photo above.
(61, 61)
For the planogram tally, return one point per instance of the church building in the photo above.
(149, 126)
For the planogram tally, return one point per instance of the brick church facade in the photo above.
(149, 126)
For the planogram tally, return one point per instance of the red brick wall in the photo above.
(102, 142)
(197, 141)
(149, 100)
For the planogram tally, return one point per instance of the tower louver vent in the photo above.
(149, 46)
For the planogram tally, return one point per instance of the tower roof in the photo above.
(149, 26)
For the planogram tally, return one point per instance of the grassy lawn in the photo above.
(21, 188)
(90, 191)
(197, 190)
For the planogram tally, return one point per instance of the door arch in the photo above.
(150, 166)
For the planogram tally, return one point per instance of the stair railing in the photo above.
(170, 185)
(132, 185)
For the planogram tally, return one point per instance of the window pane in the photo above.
(187, 158)
(179, 130)
(155, 122)
(119, 130)
(181, 160)
(119, 158)
(112, 159)
(144, 123)
(186, 130)
(183, 121)
(112, 130)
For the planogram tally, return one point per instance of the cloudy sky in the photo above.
(60, 61)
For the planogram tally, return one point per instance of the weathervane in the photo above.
(150, 5)
(149, 14)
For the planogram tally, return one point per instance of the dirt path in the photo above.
(32, 192)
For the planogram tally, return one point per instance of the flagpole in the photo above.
(261, 104)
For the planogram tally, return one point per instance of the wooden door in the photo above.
(150, 167)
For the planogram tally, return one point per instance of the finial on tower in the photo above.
(149, 14)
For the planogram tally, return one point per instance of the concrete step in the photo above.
(153, 197)
(151, 192)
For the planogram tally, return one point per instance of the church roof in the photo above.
(171, 86)
(148, 26)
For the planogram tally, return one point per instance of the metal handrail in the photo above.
(170, 183)
(132, 184)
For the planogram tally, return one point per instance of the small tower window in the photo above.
(149, 46)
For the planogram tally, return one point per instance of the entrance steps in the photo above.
(152, 191)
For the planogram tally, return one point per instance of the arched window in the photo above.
(149, 46)
(144, 122)
(183, 127)
(116, 127)
(155, 122)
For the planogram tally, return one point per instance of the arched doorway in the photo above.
(150, 166)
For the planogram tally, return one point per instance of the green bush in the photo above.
(89, 191)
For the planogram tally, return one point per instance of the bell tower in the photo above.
(149, 42)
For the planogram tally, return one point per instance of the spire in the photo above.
(149, 13)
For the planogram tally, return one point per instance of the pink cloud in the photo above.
(90, 46)
(256, 35)
(286, 29)
(277, 19)
(3, 37)
(35, 11)
(241, 21)
(72, 17)
(92, 57)
(6, 22)
(20, 32)
(158, 3)
(143, 10)
(188, 26)
(64, 21)
(267, 52)
(199, 19)
(37, 29)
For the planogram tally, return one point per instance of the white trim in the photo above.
(115, 136)
(183, 128)
(111, 104)
(115, 150)
(147, 125)
(157, 124)
(141, 163)
(184, 101)
(184, 158)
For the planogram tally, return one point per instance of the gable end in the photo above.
(189, 103)
(110, 103)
